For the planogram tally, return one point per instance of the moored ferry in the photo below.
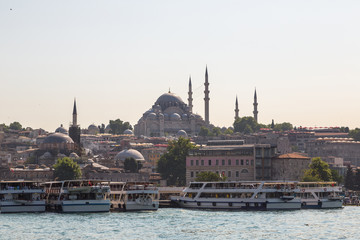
(74, 196)
(134, 196)
(257, 195)
(21, 196)
(320, 195)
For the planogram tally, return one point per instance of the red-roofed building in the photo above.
(290, 166)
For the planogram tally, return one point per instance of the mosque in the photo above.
(171, 116)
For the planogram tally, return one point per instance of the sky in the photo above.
(117, 57)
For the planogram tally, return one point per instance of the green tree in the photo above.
(208, 177)
(318, 171)
(216, 131)
(229, 131)
(283, 127)
(349, 178)
(15, 126)
(118, 127)
(131, 165)
(204, 132)
(355, 134)
(357, 180)
(66, 169)
(246, 125)
(3, 127)
(172, 164)
(336, 176)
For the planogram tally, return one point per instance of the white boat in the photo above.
(134, 196)
(21, 196)
(240, 196)
(320, 195)
(75, 196)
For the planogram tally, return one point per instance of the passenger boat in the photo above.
(21, 196)
(320, 195)
(134, 196)
(257, 195)
(74, 196)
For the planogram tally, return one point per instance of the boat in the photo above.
(320, 195)
(246, 195)
(75, 196)
(21, 196)
(134, 196)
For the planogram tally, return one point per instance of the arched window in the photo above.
(244, 171)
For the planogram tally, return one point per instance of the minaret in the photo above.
(206, 97)
(255, 107)
(190, 99)
(236, 109)
(74, 115)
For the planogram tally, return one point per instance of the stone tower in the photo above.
(207, 99)
(190, 99)
(255, 107)
(74, 131)
(236, 108)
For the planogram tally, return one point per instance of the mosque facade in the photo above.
(170, 114)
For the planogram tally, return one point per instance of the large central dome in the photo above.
(169, 99)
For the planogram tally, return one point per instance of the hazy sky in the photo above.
(117, 57)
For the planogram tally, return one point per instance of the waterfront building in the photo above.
(233, 159)
(289, 166)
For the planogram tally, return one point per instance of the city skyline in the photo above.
(117, 58)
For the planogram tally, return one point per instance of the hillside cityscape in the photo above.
(170, 145)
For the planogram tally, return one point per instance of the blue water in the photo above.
(185, 224)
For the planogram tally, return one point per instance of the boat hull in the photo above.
(321, 204)
(239, 205)
(79, 206)
(19, 207)
(133, 206)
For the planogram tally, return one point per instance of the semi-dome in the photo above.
(128, 132)
(182, 133)
(129, 153)
(151, 115)
(58, 138)
(175, 116)
(61, 129)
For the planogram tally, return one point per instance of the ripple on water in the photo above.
(184, 224)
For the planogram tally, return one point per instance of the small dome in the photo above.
(92, 126)
(58, 138)
(129, 153)
(166, 116)
(128, 132)
(61, 129)
(46, 155)
(184, 116)
(175, 116)
(181, 133)
(151, 115)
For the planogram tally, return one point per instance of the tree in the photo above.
(15, 126)
(66, 169)
(216, 131)
(172, 164)
(349, 178)
(318, 171)
(131, 165)
(228, 131)
(204, 132)
(3, 127)
(357, 180)
(208, 177)
(355, 134)
(118, 127)
(336, 176)
(247, 124)
(285, 126)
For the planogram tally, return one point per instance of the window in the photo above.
(217, 162)
(196, 173)
(244, 171)
(237, 162)
(247, 162)
(192, 162)
(209, 163)
(252, 162)
(202, 162)
(223, 162)
(242, 161)
(229, 162)
(237, 173)
(197, 162)
(217, 172)
(229, 173)
(191, 174)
